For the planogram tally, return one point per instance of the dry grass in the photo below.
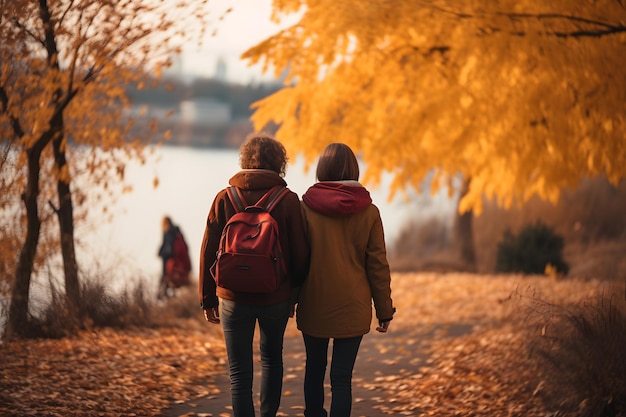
(581, 348)
(494, 368)
(599, 259)
(102, 307)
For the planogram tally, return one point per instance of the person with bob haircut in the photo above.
(348, 269)
(263, 161)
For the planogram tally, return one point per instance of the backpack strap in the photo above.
(237, 198)
(268, 201)
(271, 199)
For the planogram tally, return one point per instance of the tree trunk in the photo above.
(18, 310)
(464, 232)
(65, 214)
(65, 211)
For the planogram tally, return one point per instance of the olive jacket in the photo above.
(254, 183)
(348, 268)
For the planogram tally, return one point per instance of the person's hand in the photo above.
(383, 326)
(212, 315)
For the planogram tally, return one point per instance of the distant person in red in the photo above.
(175, 256)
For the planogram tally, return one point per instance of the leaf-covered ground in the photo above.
(456, 347)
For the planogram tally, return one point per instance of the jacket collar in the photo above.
(255, 179)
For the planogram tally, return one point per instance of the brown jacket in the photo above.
(348, 270)
(288, 214)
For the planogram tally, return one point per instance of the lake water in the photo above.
(189, 178)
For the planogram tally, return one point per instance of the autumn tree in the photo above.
(519, 98)
(64, 66)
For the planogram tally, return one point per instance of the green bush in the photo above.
(536, 246)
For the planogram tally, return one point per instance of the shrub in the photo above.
(99, 307)
(535, 247)
(582, 348)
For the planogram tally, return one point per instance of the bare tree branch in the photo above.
(69, 7)
(20, 26)
(545, 16)
(603, 30)
(75, 53)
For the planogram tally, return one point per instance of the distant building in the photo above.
(205, 112)
(152, 111)
(220, 70)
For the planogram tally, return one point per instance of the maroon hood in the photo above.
(337, 198)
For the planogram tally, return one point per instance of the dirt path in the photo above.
(382, 357)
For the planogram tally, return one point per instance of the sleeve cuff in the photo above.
(393, 311)
(207, 304)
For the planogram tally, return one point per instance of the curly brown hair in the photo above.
(262, 151)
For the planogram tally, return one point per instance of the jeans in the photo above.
(238, 321)
(342, 364)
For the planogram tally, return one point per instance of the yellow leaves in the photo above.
(471, 201)
(590, 162)
(417, 39)
(552, 272)
(514, 75)
(466, 101)
(414, 88)
(285, 7)
(466, 70)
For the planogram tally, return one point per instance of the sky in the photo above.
(246, 25)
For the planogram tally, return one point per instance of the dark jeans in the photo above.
(238, 322)
(342, 364)
(164, 288)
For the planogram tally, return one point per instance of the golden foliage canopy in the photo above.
(523, 97)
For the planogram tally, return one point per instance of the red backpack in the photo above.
(249, 257)
(178, 266)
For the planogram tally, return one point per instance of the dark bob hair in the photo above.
(337, 163)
